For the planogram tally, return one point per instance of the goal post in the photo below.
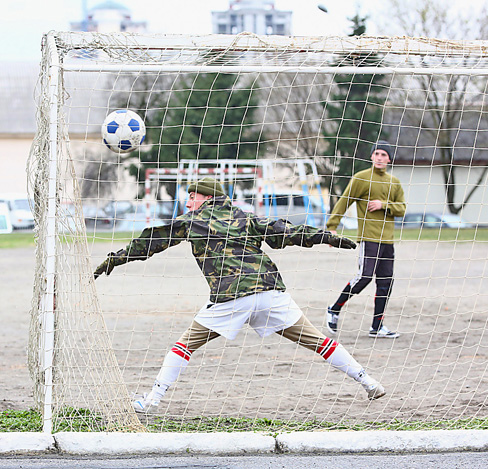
(283, 123)
(66, 319)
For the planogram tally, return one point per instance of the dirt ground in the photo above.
(437, 369)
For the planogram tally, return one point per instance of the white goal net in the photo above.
(283, 123)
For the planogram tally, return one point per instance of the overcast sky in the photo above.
(24, 21)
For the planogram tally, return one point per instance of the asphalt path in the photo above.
(473, 460)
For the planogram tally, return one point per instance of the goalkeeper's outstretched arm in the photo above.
(151, 241)
(280, 233)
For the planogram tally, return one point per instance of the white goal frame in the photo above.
(52, 138)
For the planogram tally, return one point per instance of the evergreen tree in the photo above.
(209, 116)
(354, 113)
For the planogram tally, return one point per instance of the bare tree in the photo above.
(293, 108)
(293, 116)
(444, 102)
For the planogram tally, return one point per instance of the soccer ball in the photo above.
(123, 131)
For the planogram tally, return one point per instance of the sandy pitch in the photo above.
(437, 369)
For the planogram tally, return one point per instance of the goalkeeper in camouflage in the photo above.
(245, 284)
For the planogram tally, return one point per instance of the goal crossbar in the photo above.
(254, 43)
(102, 67)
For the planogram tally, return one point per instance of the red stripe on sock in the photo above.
(331, 350)
(181, 354)
(324, 345)
(184, 346)
(182, 351)
(331, 345)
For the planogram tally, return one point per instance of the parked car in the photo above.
(21, 216)
(135, 222)
(432, 220)
(118, 208)
(94, 218)
(292, 206)
(136, 219)
(97, 218)
(163, 209)
(5, 224)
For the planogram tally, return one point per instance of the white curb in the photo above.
(164, 443)
(244, 443)
(25, 442)
(367, 441)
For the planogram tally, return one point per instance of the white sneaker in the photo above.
(147, 405)
(375, 391)
(383, 333)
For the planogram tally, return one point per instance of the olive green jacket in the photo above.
(226, 243)
(372, 184)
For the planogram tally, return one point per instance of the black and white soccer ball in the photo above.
(123, 131)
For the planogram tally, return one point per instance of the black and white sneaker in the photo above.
(332, 320)
(383, 333)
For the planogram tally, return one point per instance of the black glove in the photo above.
(109, 263)
(338, 242)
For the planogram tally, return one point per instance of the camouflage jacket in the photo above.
(226, 243)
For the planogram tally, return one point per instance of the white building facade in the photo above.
(108, 17)
(255, 16)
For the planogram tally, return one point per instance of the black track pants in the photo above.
(375, 260)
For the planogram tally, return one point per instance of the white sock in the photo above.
(157, 392)
(174, 364)
(342, 360)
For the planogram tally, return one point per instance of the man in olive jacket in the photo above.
(245, 284)
(379, 199)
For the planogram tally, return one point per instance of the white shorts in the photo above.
(266, 312)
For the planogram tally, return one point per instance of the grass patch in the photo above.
(83, 420)
(74, 420)
(445, 234)
(20, 240)
(79, 420)
(433, 234)
(231, 424)
(20, 421)
(16, 240)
